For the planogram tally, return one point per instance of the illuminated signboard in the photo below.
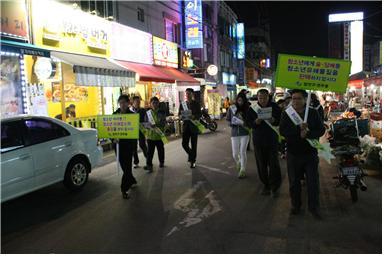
(165, 52)
(14, 19)
(339, 17)
(193, 24)
(69, 30)
(240, 41)
(228, 78)
(129, 44)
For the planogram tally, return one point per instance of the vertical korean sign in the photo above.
(309, 73)
(193, 24)
(240, 41)
(123, 126)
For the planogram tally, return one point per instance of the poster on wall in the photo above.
(11, 102)
(37, 99)
(72, 93)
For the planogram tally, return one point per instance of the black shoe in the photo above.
(295, 211)
(161, 165)
(125, 195)
(192, 165)
(316, 214)
(148, 168)
(265, 191)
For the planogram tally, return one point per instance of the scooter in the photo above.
(207, 121)
(350, 174)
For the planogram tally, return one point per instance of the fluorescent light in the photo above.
(339, 17)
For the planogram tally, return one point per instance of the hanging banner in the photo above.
(309, 73)
(122, 126)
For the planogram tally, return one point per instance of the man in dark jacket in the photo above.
(301, 156)
(265, 142)
(188, 112)
(135, 108)
(126, 149)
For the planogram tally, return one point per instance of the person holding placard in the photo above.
(237, 117)
(155, 120)
(301, 156)
(262, 118)
(190, 111)
(136, 100)
(126, 150)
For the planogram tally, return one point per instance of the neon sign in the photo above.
(193, 24)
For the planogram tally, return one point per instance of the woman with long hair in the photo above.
(237, 117)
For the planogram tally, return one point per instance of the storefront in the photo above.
(17, 94)
(82, 76)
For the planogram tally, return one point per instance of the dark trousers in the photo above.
(142, 145)
(151, 145)
(297, 166)
(126, 161)
(267, 162)
(192, 137)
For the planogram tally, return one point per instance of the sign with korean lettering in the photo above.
(165, 52)
(120, 126)
(71, 30)
(193, 24)
(309, 73)
(14, 22)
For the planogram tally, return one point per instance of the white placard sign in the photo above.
(150, 117)
(237, 121)
(294, 116)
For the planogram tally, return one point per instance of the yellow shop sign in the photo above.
(70, 30)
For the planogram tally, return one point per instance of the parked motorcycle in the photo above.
(207, 121)
(344, 139)
(350, 174)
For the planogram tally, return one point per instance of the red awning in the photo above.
(358, 84)
(179, 76)
(148, 72)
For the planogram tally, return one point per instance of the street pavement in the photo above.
(180, 210)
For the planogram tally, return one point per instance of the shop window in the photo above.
(11, 137)
(169, 30)
(40, 131)
(141, 14)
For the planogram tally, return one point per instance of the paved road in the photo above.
(179, 210)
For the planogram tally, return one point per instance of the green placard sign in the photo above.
(311, 73)
(122, 126)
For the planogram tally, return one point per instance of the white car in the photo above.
(40, 151)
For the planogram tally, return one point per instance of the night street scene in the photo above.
(191, 127)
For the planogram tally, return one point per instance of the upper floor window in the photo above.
(103, 8)
(170, 30)
(141, 14)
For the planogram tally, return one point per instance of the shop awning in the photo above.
(147, 72)
(23, 48)
(96, 71)
(180, 77)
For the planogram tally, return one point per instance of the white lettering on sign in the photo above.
(294, 116)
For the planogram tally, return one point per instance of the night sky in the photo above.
(302, 27)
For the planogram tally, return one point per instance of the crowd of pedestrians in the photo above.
(276, 129)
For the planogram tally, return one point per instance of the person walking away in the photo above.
(265, 142)
(188, 111)
(156, 120)
(301, 156)
(315, 104)
(135, 108)
(126, 150)
(237, 118)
